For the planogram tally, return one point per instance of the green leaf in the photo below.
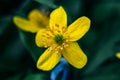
(47, 3)
(108, 72)
(101, 12)
(105, 77)
(15, 77)
(35, 77)
(104, 49)
(104, 10)
(29, 42)
(4, 23)
(12, 53)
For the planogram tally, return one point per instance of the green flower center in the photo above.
(59, 39)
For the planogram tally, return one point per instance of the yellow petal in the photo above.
(48, 60)
(25, 24)
(78, 28)
(74, 55)
(58, 17)
(44, 38)
(38, 18)
(118, 55)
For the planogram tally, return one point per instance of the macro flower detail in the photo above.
(36, 21)
(60, 40)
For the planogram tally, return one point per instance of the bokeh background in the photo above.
(18, 52)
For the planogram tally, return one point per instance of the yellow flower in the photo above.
(36, 21)
(61, 41)
(118, 55)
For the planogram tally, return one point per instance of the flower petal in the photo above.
(74, 55)
(44, 38)
(48, 60)
(58, 17)
(118, 55)
(38, 18)
(78, 28)
(25, 24)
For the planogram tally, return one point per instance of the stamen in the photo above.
(59, 31)
(66, 45)
(51, 29)
(61, 48)
(64, 29)
(67, 41)
(48, 35)
(45, 46)
(55, 48)
(57, 52)
(50, 49)
(56, 25)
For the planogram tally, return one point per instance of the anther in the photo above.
(66, 45)
(48, 36)
(63, 44)
(59, 31)
(57, 52)
(67, 40)
(64, 29)
(56, 25)
(50, 49)
(61, 48)
(58, 48)
(45, 46)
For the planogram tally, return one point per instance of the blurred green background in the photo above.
(18, 52)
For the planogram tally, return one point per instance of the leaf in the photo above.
(108, 72)
(15, 77)
(105, 77)
(104, 10)
(104, 48)
(4, 23)
(29, 42)
(35, 77)
(47, 3)
(10, 60)
(12, 51)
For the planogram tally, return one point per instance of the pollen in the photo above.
(50, 48)
(59, 48)
(45, 46)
